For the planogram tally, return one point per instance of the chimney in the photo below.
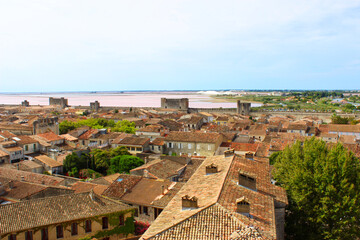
(189, 202)
(210, 169)
(22, 178)
(125, 190)
(162, 189)
(229, 153)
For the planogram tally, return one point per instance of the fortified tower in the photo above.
(243, 108)
(175, 103)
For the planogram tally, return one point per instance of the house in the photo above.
(329, 137)
(151, 131)
(30, 166)
(148, 196)
(16, 191)
(343, 129)
(157, 145)
(160, 169)
(28, 144)
(51, 138)
(221, 120)
(191, 122)
(11, 148)
(50, 165)
(244, 148)
(4, 157)
(228, 197)
(192, 143)
(18, 175)
(134, 144)
(297, 128)
(70, 216)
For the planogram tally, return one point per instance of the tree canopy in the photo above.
(98, 123)
(323, 187)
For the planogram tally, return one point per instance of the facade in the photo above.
(243, 108)
(134, 144)
(174, 103)
(11, 148)
(62, 102)
(192, 143)
(50, 165)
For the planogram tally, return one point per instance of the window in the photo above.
(198, 146)
(189, 145)
(34, 147)
(170, 145)
(88, 226)
(105, 223)
(59, 231)
(29, 235)
(180, 145)
(145, 210)
(12, 237)
(74, 229)
(121, 220)
(44, 234)
(209, 147)
(26, 148)
(140, 210)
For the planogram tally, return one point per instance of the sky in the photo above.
(93, 45)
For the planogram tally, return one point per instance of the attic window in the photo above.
(189, 202)
(211, 169)
(243, 206)
(249, 155)
(246, 180)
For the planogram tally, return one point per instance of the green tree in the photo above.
(124, 163)
(101, 160)
(66, 126)
(119, 151)
(124, 126)
(323, 187)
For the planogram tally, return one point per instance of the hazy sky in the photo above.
(73, 45)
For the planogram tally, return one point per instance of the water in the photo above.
(123, 99)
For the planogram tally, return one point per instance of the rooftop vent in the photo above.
(210, 169)
(189, 202)
(229, 152)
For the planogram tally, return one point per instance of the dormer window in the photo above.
(211, 169)
(243, 206)
(189, 202)
(247, 180)
(249, 155)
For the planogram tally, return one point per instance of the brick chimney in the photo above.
(210, 169)
(229, 152)
(189, 202)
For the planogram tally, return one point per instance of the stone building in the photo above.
(25, 103)
(175, 103)
(228, 197)
(62, 102)
(43, 125)
(192, 143)
(243, 108)
(95, 106)
(71, 216)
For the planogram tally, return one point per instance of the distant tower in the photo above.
(25, 103)
(95, 106)
(175, 103)
(243, 108)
